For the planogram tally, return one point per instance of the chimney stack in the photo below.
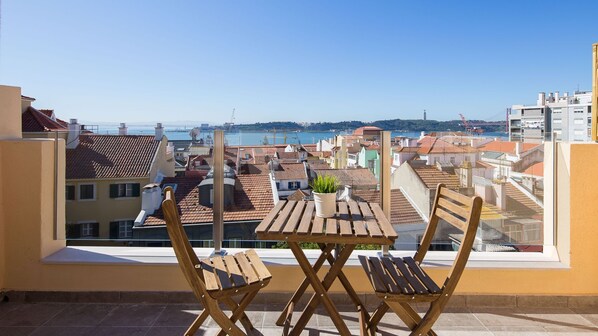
(518, 148)
(72, 140)
(122, 130)
(556, 96)
(159, 131)
(541, 99)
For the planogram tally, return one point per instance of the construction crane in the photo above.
(469, 128)
(229, 125)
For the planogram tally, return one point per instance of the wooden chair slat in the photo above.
(305, 223)
(331, 227)
(422, 276)
(258, 265)
(372, 225)
(462, 211)
(385, 225)
(403, 284)
(413, 281)
(209, 275)
(295, 217)
(358, 223)
(282, 218)
(235, 272)
(382, 275)
(222, 273)
(344, 223)
(246, 268)
(451, 219)
(446, 192)
(374, 280)
(317, 227)
(265, 224)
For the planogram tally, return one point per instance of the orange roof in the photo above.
(431, 176)
(438, 146)
(507, 146)
(290, 171)
(111, 156)
(401, 211)
(253, 201)
(536, 169)
(33, 120)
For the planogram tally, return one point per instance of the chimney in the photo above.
(556, 96)
(122, 130)
(26, 103)
(72, 140)
(541, 99)
(159, 131)
(518, 148)
(466, 175)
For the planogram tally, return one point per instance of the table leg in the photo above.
(321, 289)
(326, 249)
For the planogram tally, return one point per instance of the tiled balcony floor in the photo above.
(172, 319)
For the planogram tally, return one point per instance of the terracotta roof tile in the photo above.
(253, 201)
(290, 171)
(111, 156)
(401, 211)
(352, 177)
(507, 146)
(431, 176)
(35, 121)
(536, 169)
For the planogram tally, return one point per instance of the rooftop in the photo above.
(111, 156)
(34, 120)
(352, 177)
(252, 201)
(431, 176)
(290, 171)
(401, 211)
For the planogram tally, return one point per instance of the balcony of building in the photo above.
(55, 289)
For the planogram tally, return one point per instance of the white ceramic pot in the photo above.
(325, 204)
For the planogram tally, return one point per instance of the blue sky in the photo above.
(131, 61)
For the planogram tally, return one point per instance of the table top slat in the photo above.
(283, 217)
(295, 217)
(265, 224)
(372, 224)
(331, 227)
(383, 221)
(344, 222)
(358, 223)
(305, 223)
(318, 226)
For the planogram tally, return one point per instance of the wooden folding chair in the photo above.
(216, 279)
(400, 281)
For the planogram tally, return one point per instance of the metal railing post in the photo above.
(218, 205)
(385, 162)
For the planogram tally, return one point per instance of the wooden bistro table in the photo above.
(295, 222)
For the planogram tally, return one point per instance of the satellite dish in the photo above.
(194, 133)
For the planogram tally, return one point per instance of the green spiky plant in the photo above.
(325, 184)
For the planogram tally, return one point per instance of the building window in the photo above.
(578, 111)
(124, 190)
(83, 230)
(294, 185)
(578, 121)
(70, 192)
(558, 121)
(277, 185)
(121, 229)
(86, 191)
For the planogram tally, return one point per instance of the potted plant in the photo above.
(324, 188)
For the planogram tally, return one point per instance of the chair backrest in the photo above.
(461, 212)
(182, 248)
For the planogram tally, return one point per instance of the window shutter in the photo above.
(136, 188)
(113, 190)
(95, 230)
(73, 231)
(113, 230)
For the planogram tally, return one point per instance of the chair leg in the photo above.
(377, 316)
(411, 318)
(234, 307)
(426, 323)
(227, 326)
(197, 323)
(239, 311)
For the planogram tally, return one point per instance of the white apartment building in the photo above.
(568, 116)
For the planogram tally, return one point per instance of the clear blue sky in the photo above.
(300, 61)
